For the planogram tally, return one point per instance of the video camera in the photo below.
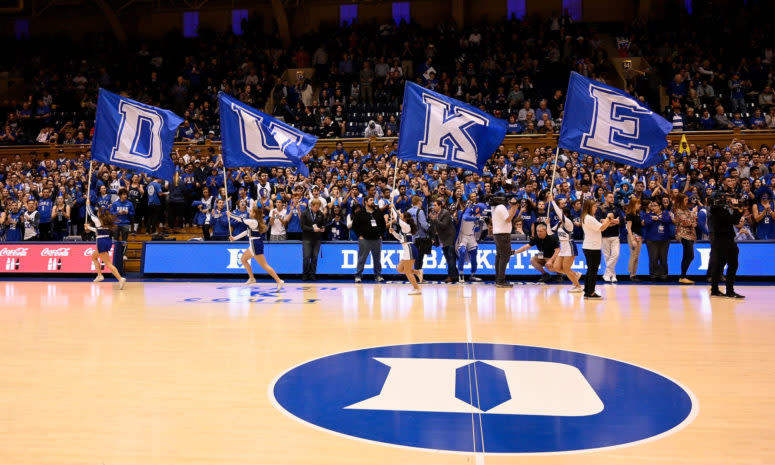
(508, 199)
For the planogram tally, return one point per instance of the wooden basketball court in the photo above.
(180, 373)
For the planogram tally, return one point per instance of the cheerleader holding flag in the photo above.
(103, 223)
(256, 230)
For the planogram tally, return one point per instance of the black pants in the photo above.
(44, 231)
(593, 264)
(366, 247)
(176, 214)
(451, 257)
(723, 252)
(688, 256)
(293, 236)
(122, 232)
(154, 216)
(423, 245)
(657, 258)
(206, 232)
(311, 249)
(502, 256)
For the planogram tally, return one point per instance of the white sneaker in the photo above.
(280, 285)
(614, 280)
(476, 279)
(357, 279)
(420, 276)
(121, 283)
(606, 278)
(415, 292)
(251, 281)
(379, 279)
(461, 279)
(99, 278)
(576, 289)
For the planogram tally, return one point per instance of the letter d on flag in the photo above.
(134, 135)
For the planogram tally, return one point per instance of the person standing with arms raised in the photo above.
(593, 245)
(369, 225)
(501, 229)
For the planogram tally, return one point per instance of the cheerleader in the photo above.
(103, 223)
(568, 251)
(256, 230)
(404, 231)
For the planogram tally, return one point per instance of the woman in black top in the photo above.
(634, 235)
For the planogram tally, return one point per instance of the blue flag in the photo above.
(608, 123)
(253, 138)
(439, 129)
(133, 135)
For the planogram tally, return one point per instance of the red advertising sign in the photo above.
(47, 258)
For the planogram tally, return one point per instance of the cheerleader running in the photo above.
(103, 223)
(568, 252)
(404, 232)
(256, 230)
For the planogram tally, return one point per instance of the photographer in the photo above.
(501, 229)
(725, 213)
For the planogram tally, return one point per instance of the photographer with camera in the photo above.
(725, 213)
(501, 229)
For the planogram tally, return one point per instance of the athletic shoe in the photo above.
(280, 285)
(121, 283)
(450, 280)
(558, 278)
(734, 295)
(415, 292)
(685, 281)
(99, 278)
(634, 279)
(606, 278)
(717, 293)
(504, 284)
(544, 278)
(475, 279)
(461, 279)
(357, 279)
(420, 276)
(379, 279)
(614, 280)
(250, 281)
(577, 289)
(593, 296)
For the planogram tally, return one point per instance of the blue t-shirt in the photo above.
(153, 190)
(123, 211)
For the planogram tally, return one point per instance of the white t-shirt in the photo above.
(277, 227)
(500, 220)
(593, 238)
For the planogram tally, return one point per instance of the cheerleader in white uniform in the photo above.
(403, 228)
(103, 223)
(568, 251)
(256, 231)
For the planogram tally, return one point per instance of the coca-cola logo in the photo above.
(16, 252)
(88, 252)
(60, 252)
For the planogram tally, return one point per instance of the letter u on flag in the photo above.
(253, 138)
(608, 123)
(439, 129)
(133, 135)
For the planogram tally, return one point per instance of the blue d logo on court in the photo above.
(491, 398)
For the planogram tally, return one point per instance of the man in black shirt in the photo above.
(369, 225)
(313, 225)
(725, 213)
(549, 247)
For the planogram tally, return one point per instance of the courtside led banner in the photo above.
(56, 257)
(341, 258)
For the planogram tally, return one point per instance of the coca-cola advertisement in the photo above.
(47, 258)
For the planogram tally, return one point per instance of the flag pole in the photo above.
(88, 191)
(395, 177)
(554, 168)
(226, 191)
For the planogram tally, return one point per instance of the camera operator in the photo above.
(725, 213)
(501, 229)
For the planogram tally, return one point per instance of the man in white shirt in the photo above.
(501, 228)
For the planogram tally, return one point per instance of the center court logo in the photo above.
(492, 398)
